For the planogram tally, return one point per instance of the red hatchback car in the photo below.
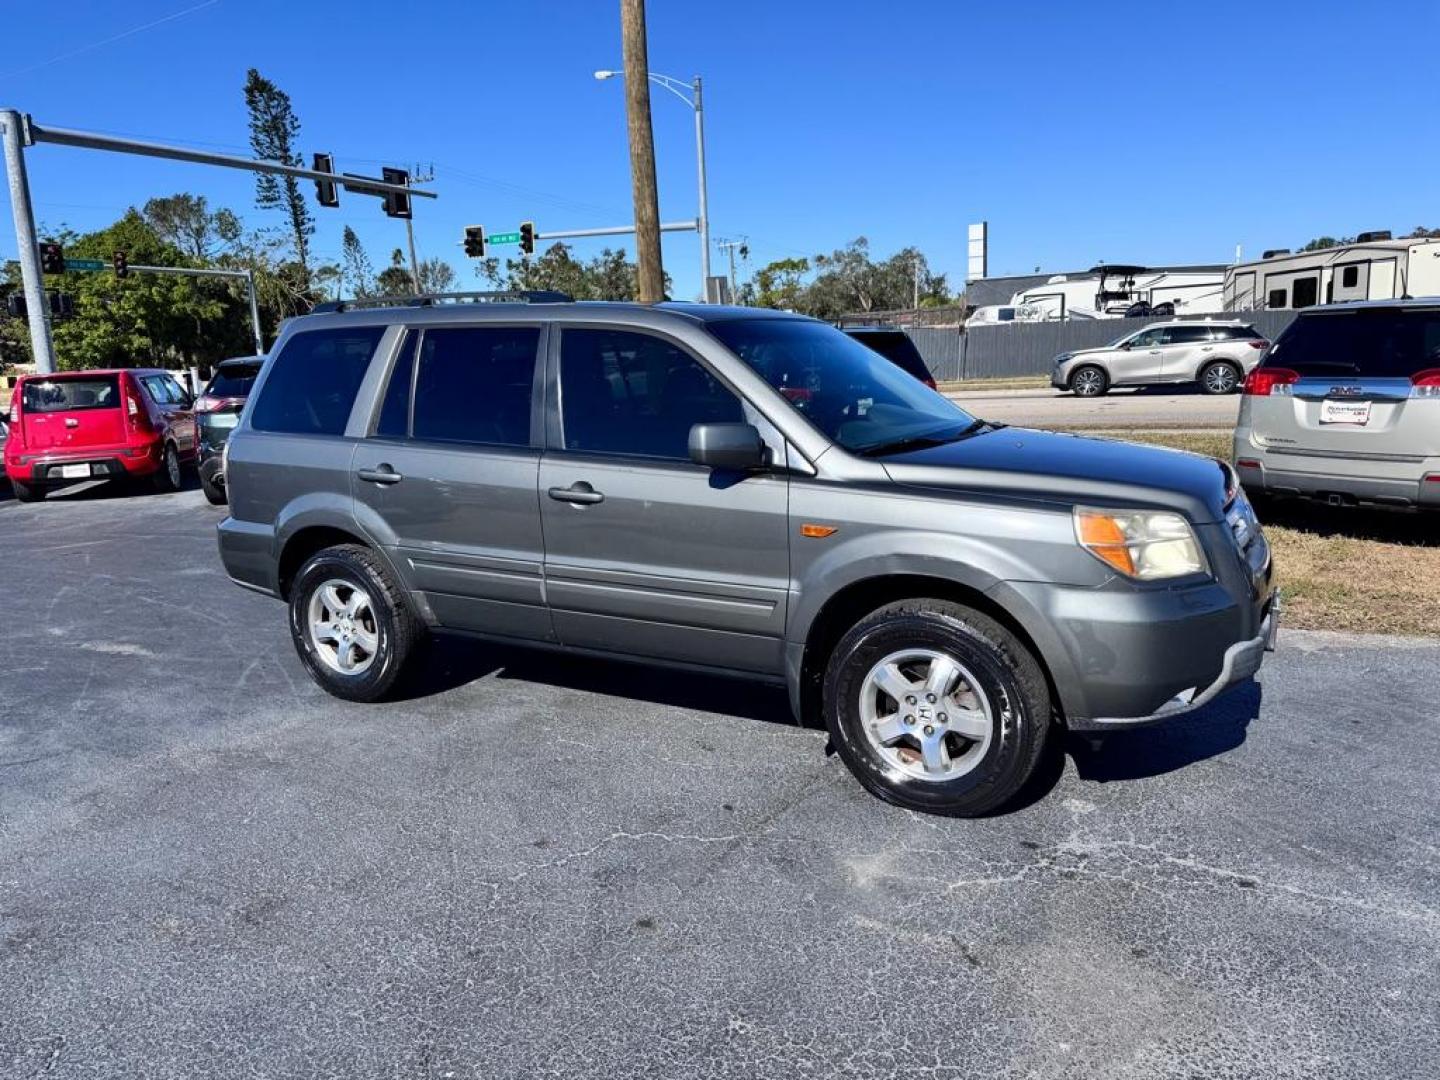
(86, 425)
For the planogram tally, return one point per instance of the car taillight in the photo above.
(1262, 382)
(1425, 383)
(931, 383)
(204, 403)
(1257, 343)
(15, 408)
(139, 417)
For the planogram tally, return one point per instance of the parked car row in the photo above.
(126, 424)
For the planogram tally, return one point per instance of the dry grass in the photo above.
(1018, 382)
(1362, 570)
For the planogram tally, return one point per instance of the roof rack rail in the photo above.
(517, 296)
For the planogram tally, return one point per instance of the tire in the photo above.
(378, 636)
(214, 492)
(26, 492)
(1089, 380)
(1219, 377)
(168, 478)
(997, 686)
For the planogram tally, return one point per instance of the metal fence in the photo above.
(1014, 349)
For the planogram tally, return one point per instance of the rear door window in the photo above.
(312, 383)
(474, 384)
(71, 395)
(1187, 335)
(1381, 343)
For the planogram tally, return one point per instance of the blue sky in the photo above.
(1081, 132)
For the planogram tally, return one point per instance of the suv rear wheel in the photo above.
(350, 623)
(936, 707)
(1219, 377)
(1089, 381)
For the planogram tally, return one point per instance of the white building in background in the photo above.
(1374, 267)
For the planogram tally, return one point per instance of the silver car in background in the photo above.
(1215, 354)
(1346, 407)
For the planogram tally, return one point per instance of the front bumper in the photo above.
(1242, 660)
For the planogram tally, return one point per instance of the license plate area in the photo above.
(74, 472)
(1346, 413)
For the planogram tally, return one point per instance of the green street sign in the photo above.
(503, 238)
(84, 264)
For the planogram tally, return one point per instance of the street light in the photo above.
(678, 87)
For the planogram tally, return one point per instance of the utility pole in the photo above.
(704, 197)
(42, 346)
(650, 270)
(729, 247)
(415, 178)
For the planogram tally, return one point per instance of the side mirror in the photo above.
(728, 446)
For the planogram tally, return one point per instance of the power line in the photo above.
(83, 49)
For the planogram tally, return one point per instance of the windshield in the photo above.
(1381, 343)
(233, 380)
(849, 393)
(71, 394)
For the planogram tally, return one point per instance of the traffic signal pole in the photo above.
(19, 131)
(42, 345)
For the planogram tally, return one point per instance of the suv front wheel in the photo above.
(350, 623)
(1089, 380)
(936, 707)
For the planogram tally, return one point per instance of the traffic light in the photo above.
(475, 241)
(122, 267)
(527, 237)
(15, 305)
(396, 203)
(62, 305)
(52, 258)
(326, 193)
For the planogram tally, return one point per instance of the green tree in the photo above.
(395, 279)
(608, 276)
(1320, 243)
(780, 284)
(186, 222)
(355, 266)
(274, 128)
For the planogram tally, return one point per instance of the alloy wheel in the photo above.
(925, 715)
(343, 628)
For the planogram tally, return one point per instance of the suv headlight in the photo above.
(1142, 544)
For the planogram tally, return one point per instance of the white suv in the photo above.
(1217, 355)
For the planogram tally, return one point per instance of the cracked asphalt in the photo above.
(545, 867)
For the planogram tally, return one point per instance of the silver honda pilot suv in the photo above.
(738, 491)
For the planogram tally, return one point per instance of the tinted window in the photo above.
(1148, 339)
(1276, 299)
(69, 395)
(233, 380)
(394, 420)
(1379, 343)
(898, 349)
(1187, 335)
(849, 393)
(312, 382)
(1350, 277)
(474, 384)
(1305, 292)
(1235, 333)
(624, 393)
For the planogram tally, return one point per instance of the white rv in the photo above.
(1374, 267)
(1111, 292)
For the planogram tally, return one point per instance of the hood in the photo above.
(1091, 349)
(1073, 469)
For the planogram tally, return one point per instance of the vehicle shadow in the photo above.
(1356, 523)
(1140, 753)
(452, 662)
(101, 490)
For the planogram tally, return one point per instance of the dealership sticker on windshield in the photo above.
(1345, 412)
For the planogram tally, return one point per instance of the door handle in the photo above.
(381, 474)
(579, 493)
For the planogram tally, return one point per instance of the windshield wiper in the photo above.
(921, 442)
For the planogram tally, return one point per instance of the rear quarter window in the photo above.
(313, 380)
(233, 381)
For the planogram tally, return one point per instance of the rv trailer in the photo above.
(1374, 267)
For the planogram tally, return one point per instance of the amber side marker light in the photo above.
(818, 532)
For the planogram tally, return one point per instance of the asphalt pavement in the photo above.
(1153, 407)
(545, 867)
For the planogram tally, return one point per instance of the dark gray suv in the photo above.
(741, 491)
